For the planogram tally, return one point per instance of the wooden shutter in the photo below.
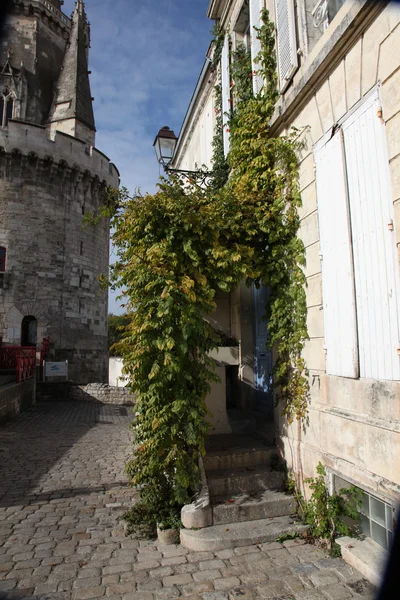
(255, 7)
(286, 41)
(340, 325)
(226, 93)
(374, 247)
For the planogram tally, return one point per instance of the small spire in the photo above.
(73, 99)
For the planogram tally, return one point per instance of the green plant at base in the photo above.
(324, 513)
(284, 537)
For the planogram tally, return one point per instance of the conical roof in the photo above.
(73, 86)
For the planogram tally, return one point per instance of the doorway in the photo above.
(29, 331)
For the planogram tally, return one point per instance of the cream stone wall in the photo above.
(354, 425)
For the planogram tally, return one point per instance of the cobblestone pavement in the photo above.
(61, 491)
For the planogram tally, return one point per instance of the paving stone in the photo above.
(167, 593)
(226, 583)
(223, 554)
(88, 593)
(246, 550)
(321, 578)
(273, 589)
(87, 582)
(119, 588)
(173, 560)
(177, 580)
(197, 588)
(206, 575)
(121, 568)
(161, 572)
(198, 556)
(217, 563)
(337, 591)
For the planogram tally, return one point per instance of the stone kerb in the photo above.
(34, 139)
(101, 393)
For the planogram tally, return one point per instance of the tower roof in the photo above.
(73, 99)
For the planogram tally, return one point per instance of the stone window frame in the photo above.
(6, 96)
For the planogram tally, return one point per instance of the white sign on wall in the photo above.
(56, 369)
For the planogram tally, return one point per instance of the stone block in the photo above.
(197, 588)
(306, 172)
(309, 201)
(314, 290)
(226, 583)
(315, 322)
(314, 354)
(309, 230)
(337, 85)
(325, 110)
(353, 75)
(313, 260)
(391, 96)
(372, 39)
(389, 59)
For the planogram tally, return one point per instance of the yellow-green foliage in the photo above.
(176, 248)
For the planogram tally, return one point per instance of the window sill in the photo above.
(366, 556)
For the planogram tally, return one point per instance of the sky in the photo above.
(145, 59)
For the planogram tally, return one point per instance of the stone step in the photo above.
(236, 535)
(252, 507)
(251, 479)
(236, 458)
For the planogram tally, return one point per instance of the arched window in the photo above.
(2, 259)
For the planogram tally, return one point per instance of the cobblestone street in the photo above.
(61, 491)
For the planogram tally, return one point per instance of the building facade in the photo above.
(51, 175)
(339, 82)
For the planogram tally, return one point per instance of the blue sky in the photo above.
(145, 59)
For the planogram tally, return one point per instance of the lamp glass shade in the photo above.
(165, 144)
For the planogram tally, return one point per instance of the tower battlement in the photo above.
(34, 141)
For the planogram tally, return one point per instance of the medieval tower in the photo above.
(51, 175)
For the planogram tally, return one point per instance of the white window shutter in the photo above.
(255, 7)
(340, 324)
(374, 243)
(285, 23)
(226, 93)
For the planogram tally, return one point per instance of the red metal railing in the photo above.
(8, 357)
(26, 364)
(20, 358)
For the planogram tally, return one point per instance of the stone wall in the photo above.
(16, 397)
(53, 261)
(102, 394)
(354, 424)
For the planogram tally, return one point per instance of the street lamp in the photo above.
(165, 145)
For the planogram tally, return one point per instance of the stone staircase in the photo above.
(247, 501)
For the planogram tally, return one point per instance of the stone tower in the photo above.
(50, 176)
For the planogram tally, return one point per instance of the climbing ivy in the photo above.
(175, 249)
(220, 165)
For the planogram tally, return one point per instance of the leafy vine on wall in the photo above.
(175, 249)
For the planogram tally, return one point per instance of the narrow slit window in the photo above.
(2, 260)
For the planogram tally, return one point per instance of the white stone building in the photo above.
(339, 78)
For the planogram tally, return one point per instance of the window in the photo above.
(2, 260)
(376, 516)
(377, 520)
(318, 15)
(360, 278)
(285, 23)
(6, 107)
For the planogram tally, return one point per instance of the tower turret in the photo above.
(72, 108)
